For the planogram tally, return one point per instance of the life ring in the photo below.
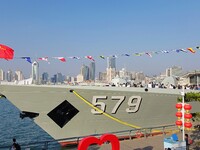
(138, 134)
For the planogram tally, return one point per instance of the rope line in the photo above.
(104, 113)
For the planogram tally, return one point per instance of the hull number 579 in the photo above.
(133, 103)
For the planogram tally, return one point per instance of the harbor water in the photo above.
(28, 134)
(24, 130)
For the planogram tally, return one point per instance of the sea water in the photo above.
(24, 130)
(28, 134)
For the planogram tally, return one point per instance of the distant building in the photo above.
(111, 68)
(2, 75)
(73, 79)
(35, 72)
(59, 78)
(92, 71)
(45, 78)
(68, 79)
(133, 75)
(103, 76)
(79, 78)
(85, 72)
(174, 71)
(122, 73)
(190, 78)
(9, 76)
(140, 76)
(111, 62)
(110, 74)
(19, 75)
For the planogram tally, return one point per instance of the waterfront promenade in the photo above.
(154, 142)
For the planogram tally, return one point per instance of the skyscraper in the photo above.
(45, 78)
(19, 75)
(2, 75)
(111, 62)
(111, 68)
(92, 71)
(60, 78)
(9, 76)
(85, 72)
(35, 72)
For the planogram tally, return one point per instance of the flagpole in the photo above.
(183, 112)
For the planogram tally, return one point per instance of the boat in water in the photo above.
(74, 111)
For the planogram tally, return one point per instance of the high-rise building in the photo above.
(54, 79)
(92, 71)
(19, 75)
(85, 72)
(60, 78)
(35, 72)
(45, 78)
(111, 62)
(111, 73)
(2, 75)
(9, 76)
(111, 68)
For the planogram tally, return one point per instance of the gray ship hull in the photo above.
(134, 106)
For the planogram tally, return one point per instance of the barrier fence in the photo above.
(72, 142)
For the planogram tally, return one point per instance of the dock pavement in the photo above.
(153, 142)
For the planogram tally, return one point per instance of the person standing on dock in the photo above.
(15, 145)
(187, 141)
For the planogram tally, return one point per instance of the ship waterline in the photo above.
(63, 114)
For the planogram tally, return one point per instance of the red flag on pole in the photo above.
(6, 52)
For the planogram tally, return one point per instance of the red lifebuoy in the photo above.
(138, 134)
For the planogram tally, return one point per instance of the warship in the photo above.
(74, 111)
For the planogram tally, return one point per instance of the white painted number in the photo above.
(133, 103)
(120, 100)
(98, 104)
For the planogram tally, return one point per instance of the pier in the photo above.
(150, 139)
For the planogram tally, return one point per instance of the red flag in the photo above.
(60, 58)
(90, 57)
(6, 52)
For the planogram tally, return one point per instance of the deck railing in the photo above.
(73, 141)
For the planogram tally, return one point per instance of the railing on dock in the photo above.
(72, 142)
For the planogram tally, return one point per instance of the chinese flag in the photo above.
(6, 52)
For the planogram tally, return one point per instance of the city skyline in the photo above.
(96, 28)
(40, 72)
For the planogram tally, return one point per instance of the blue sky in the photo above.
(66, 28)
